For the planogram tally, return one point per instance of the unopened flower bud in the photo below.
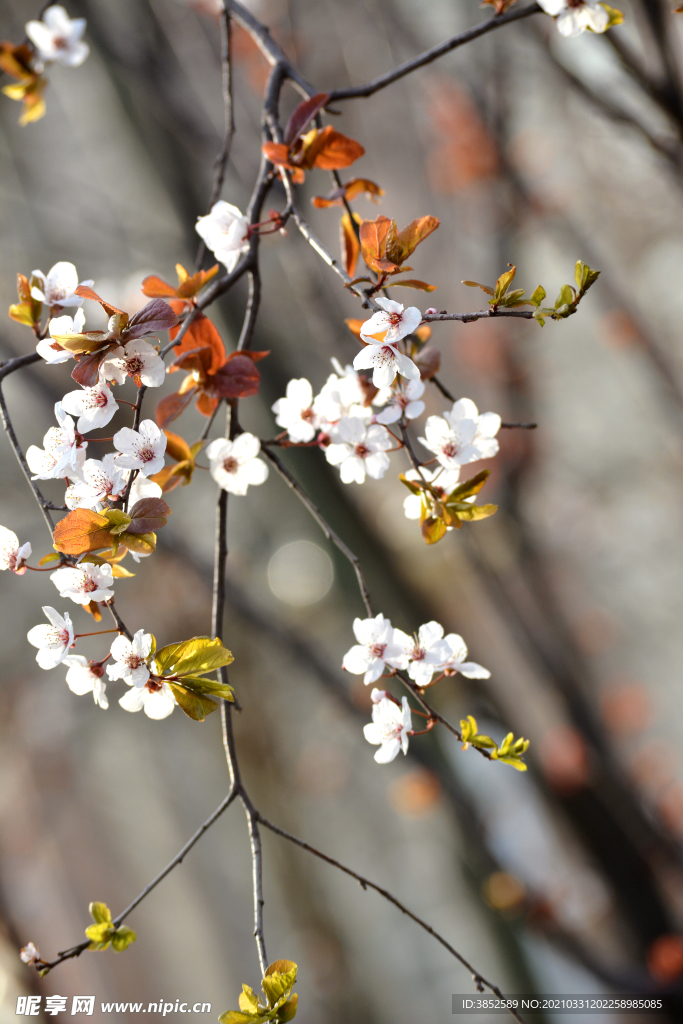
(431, 311)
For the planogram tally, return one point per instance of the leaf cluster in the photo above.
(103, 933)
(280, 1003)
(188, 286)
(29, 87)
(570, 297)
(440, 510)
(27, 310)
(185, 456)
(83, 531)
(502, 296)
(385, 249)
(184, 665)
(324, 148)
(509, 752)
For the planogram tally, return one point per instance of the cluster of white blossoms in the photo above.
(383, 650)
(577, 16)
(462, 435)
(58, 38)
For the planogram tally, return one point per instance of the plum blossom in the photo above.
(95, 407)
(404, 402)
(29, 954)
(143, 488)
(575, 16)
(442, 480)
(101, 481)
(385, 361)
(12, 556)
(156, 698)
(59, 284)
(361, 449)
(425, 652)
(86, 677)
(344, 393)
(295, 412)
(64, 450)
(141, 449)
(58, 37)
(375, 649)
(226, 233)
(138, 360)
(390, 727)
(462, 435)
(130, 658)
(50, 350)
(234, 464)
(84, 583)
(54, 640)
(456, 661)
(393, 319)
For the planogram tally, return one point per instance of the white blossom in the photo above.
(403, 402)
(156, 698)
(130, 658)
(59, 284)
(425, 652)
(375, 649)
(54, 640)
(343, 394)
(456, 661)
(63, 452)
(58, 37)
(100, 481)
(390, 728)
(462, 435)
(139, 360)
(385, 361)
(84, 583)
(143, 488)
(295, 412)
(29, 954)
(393, 322)
(50, 350)
(575, 16)
(226, 233)
(361, 449)
(141, 449)
(86, 677)
(442, 480)
(234, 464)
(95, 407)
(13, 556)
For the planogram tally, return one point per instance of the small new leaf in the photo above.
(103, 933)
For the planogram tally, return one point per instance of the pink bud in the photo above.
(431, 311)
(378, 695)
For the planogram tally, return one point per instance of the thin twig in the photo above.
(21, 459)
(482, 314)
(366, 883)
(295, 486)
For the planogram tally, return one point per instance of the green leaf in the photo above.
(99, 935)
(140, 543)
(235, 1017)
(201, 655)
(469, 487)
(199, 684)
(195, 705)
(100, 913)
(52, 557)
(537, 296)
(278, 981)
(471, 513)
(122, 938)
(288, 1010)
(503, 283)
(414, 486)
(433, 529)
(565, 298)
(119, 520)
(584, 276)
(512, 761)
(248, 1000)
(615, 16)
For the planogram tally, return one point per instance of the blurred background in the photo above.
(531, 149)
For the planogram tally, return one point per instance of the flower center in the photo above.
(418, 653)
(395, 319)
(450, 449)
(57, 347)
(58, 637)
(147, 454)
(153, 685)
(377, 650)
(230, 465)
(88, 585)
(362, 451)
(133, 365)
(134, 661)
(307, 415)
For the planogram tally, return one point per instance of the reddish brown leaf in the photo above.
(157, 315)
(205, 405)
(421, 286)
(373, 237)
(201, 333)
(238, 378)
(198, 360)
(167, 478)
(350, 246)
(414, 233)
(358, 186)
(87, 370)
(82, 530)
(155, 288)
(303, 115)
(177, 447)
(148, 515)
(255, 357)
(277, 153)
(170, 407)
(429, 362)
(330, 150)
(87, 293)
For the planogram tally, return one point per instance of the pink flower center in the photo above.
(134, 661)
(147, 454)
(230, 465)
(418, 653)
(100, 399)
(362, 451)
(133, 365)
(377, 650)
(88, 585)
(394, 318)
(58, 637)
(450, 449)
(307, 415)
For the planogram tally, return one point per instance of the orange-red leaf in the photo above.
(277, 153)
(238, 378)
(414, 233)
(412, 283)
(190, 286)
(177, 447)
(87, 293)
(350, 246)
(360, 186)
(330, 150)
(206, 405)
(373, 237)
(200, 334)
(155, 288)
(170, 407)
(82, 530)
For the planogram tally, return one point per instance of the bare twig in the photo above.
(21, 459)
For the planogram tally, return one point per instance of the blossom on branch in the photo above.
(385, 361)
(390, 727)
(295, 412)
(85, 676)
(49, 349)
(142, 449)
(101, 481)
(426, 652)
(138, 360)
(360, 449)
(58, 37)
(29, 954)
(234, 464)
(344, 393)
(155, 698)
(375, 650)
(462, 435)
(13, 556)
(456, 661)
(84, 583)
(393, 322)
(95, 407)
(442, 481)
(130, 658)
(575, 16)
(63, 452)
(404, 403)
(58, 285)
(225, 231)
(53, 640)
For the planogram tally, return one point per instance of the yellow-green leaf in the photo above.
(278, 980)
(122, 938)
(199, 684)
(469, 487)
(195, 705)
(100, 913)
